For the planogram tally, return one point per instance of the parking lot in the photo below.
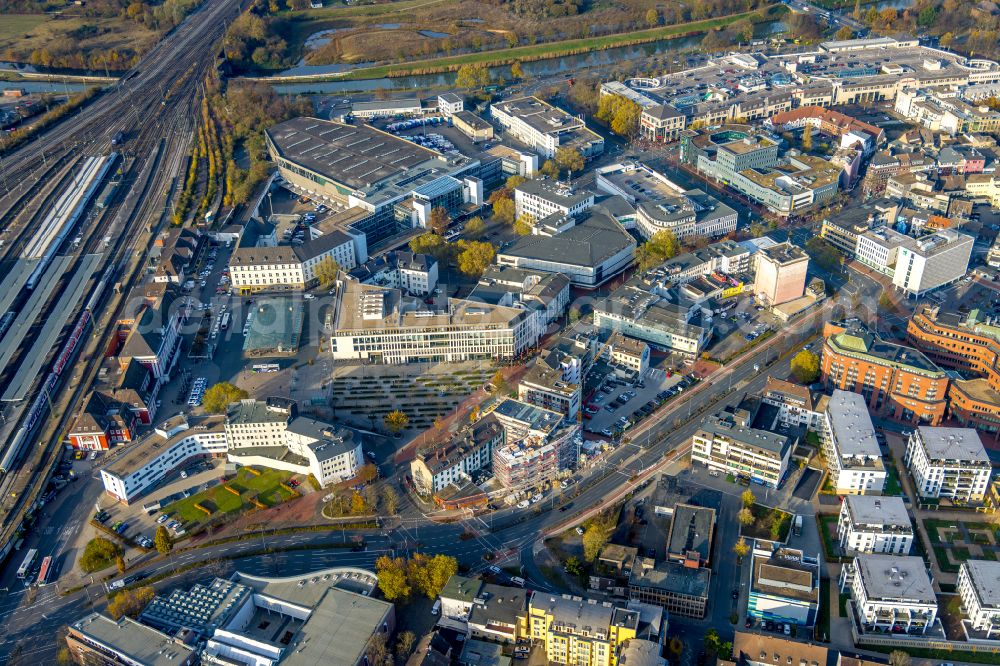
(619, 399)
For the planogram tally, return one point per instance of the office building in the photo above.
(916, 265)
(681, 590)
(897, 382)
(545, 128)
(579, 631)
(381, 325)
(890, 593)
(850, 448)
(542, 198)
(592, 248)
(843, 229)
(948, 462)
(97, 639)
(665, 319)
(387, 108)
(456, 460)
(870, 524)
(689, 539)
(970, 344)
(628, 353)
(729, 443)
(784, 586)
(781, 274)
(539, 445)
(979, 589)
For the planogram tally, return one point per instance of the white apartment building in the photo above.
(548, 383)
(916, 265)
(869, 524)
(979, 589)
(948, 462)
(170, 446)
(382, 326)
(449, 104)
(270, 433)
(795, 404)
(268, 267)
(541, 198)
(454, 462)
(849, 444)
(726, 442)
(890, 591)
(544, 128)
(416, 274)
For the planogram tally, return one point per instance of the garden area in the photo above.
(768, 523)
(956, 541)
(249, 488)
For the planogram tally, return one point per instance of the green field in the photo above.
(14, 27)
(339, 11)
(552, 49)
(266, 487)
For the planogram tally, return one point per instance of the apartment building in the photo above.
(549, 383)
(869, 524)
(969, 343)
(539, 445)
(453, 462)
(948, 462)
(849, 445)
(980, 593)
(171, 446)
(499, 614)
(795, 403)
(628, 352)
(381, 325)
(545, 128)
(781, 274)
(890, 592)
(766, 649)
(728, 442)
(916, 265)
(784, 586)
(541, 198)
(578, 631)
(897, 382)
(151, 335)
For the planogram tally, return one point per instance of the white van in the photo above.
(436, 608)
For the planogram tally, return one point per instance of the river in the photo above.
(537, 68)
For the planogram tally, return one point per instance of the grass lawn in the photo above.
(549, 50)
(219, 500)
(842, 604)
(340, 11)
(14, 26)
(893, 488)
(822, 631)
(23, 33)
(827, 529)
(940, 655)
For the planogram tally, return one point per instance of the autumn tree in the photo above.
(620, 114)
(662, 246)
(741, 548)
(130, 602)
(161, 539)
(429, 243)
(366, 473)
(652, 17)
(504, 210)
(475, 228)
(569, 159)
(513, 181)
(748, 498)
(550, 168)
(396, 421)
(390, 500)
(221, 395)
(807, 138)
(440, 219)
(327, 271)
(499, 383)
(805, 367)
(845, 33)
(745, 516)
(474, 257)
(392, 578)
(405, 642)
(596, 535)
(899, 658)
(120, 563)
(472, 75)
(516, 70)
(524, 224)
(98, 554)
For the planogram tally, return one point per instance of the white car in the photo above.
(523, 504)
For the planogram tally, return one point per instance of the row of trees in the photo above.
(472, 257)
(620, 114)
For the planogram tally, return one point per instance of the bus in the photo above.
(266, 367)
(29, 561)
(45, 571)
(224, 325)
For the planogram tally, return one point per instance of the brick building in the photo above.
(898, 382)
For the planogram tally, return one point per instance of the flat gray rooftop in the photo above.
(985, 577)
(896, 578)
(953, 444)
(872, 510)
(852, 425)
(14, 280)
(142, 644)
(31, 366)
